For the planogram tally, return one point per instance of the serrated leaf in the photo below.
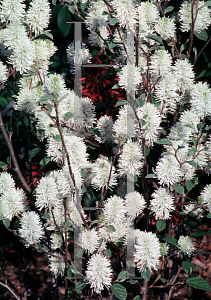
(199, 233)
(189, 185)
(162, 279)
(94, 222)
(199, 126)
(123, 275)
(44, 98)
(192, 163)
(57, 138)
(119, 291)
(209, 215)
(132, 282)
(171, 240)
(198, 283)
(68, 115)
(169, 9)
(33, 152)
(40, 247)
(192, 151)
(155, 38)
(44, 161)
(6, 222)
(194, 140)
(80, 286)
(113, 21)
(178, 188)
(164, 142)
(108, 252)
(100, 242)
(112, 228)
(46, 216)
(202, 35)
(146, 274)
(48, 34)
(161, 225)
(140, 102)
(121, 102)
(2, 164)
(188, 267)
(63, 16)
(137, 297)
(150, 176)
(96, 131)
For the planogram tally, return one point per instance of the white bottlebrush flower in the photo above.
(12, 11)
(81, 57)
(206, 196)
(165, 92)
(28, 99)
(147, 250)
(130, 159)
(190, 119)
(162, 203)
(95, 17)
(183, 72)
(6, 182)
(151, 118)
(101, 169)
(12, 203)
(89, 240)
(31, 228)
(105, 125)
(186, 245)
(126, 123)
(114, 236)
(38, 15)
(56, 216)
(201, 15)
(129, 78)
(168, 170)
(179, 133)
(126, 13)
(99, 37)
(3, 72)
(160, 63)
(114, 210)
(135, 204)
(56, 241)
(45, 124)
(84, 113)
(57, 265)
(193, 211)
(54, 85)
(44, 49)
(201, 99)
(99, 272)
(46, 193)
(164, 249)
(166, 28)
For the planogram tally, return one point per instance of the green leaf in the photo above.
(108, 252)
(63, 16)
(146, 274)
(17, 224)
(57, 138)
(147, 150)
(209, 215)
(2, 164)
(171, 240)
(94, 222)
(194, 140)
(112, 228)
(161, 225)
(155, 38)
(100, 242)
(169, 9)
(48, 34)
(192, 163)
(188, 267)
(140, 102)
(9, 160)
(113, 21)
(189, 185)
(44, 98)
(192, 151)
(6, 222)
(199, 233)
(46, 216)
(202, 35)
(198, 283)
(116, 86)
(137, 297)
(112, 45)
(199, 126)
(121, 102)
(96, 131)
(162, 279)
(68, 115)
(80, 286)
(132, 282)
(44, 161)
(33, 152)
(151, 176)
(178, 188)
(123, 275)
(164, 142)
(80, 253)
(119, 291)
(40, 247)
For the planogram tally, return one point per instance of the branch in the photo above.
(12, 153)
(11, 291)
